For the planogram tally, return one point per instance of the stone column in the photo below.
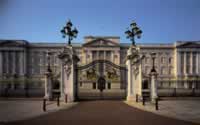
(14, 62)
(98, 55)
(6, 62)
(25, 62)
(1, 63)
(21, 63)
(48, 85)
(130, 96)
(191, 62)
(154, 92)
(184, 63)
(197, 63)
(104, 55)
(119, 57)
(178, 62)
(112, 56)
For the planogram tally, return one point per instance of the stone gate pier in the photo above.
(133, 63)
(69, 61)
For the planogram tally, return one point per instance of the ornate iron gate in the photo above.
(101, 79)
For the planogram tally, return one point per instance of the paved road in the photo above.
(101, 113)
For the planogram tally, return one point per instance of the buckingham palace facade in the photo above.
(177, 64)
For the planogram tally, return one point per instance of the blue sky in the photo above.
(162, 21)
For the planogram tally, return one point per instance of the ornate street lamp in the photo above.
(67, 31)
(134, 31)
(153, 56)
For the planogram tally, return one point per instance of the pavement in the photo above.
(21, 109)
(100, 113)
(182, 109)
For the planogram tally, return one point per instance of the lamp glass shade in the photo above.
(69, 24)
(133, 24)
(153, 55)
(75, 31)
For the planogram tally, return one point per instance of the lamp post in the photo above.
(49, 61)
(153, 56)
(67, 31)
(48, 78)
(153, 75)
(134, 31)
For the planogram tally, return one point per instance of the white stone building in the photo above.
(178, 64)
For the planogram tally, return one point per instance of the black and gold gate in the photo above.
(101, 79)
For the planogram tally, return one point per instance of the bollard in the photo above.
(156, 104)
(193, 91)
(58, 101)
(143, 101)
(136, 97)
(175, 92)
(44, 104)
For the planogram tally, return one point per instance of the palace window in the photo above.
(109, 85)
(145, 84)
(170, 70)
(101, 54)
(170, 60)
(94, 55)
(94, 85)
(147, 70)
(163, 71)
(88, 56)
(156, 60)
(108, 55)
(147, 60)
(162, 59)
(161, 85)
(80, 84)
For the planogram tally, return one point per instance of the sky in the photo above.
(162, 21)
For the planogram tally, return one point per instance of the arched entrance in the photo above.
(101, 79)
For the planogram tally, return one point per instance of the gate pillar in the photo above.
(69, 61)
(134, 66)
(130, 80)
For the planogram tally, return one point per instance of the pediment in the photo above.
(13, 43)
(189, 45)
(101, 42)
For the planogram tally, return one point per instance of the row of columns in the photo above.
(12, 62)
(104, 55)
(97, 56)
(182, 65)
